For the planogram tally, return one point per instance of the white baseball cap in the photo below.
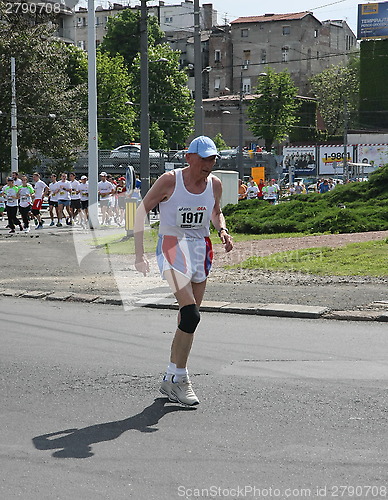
(103, 174)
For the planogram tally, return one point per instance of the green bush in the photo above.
(354, 207)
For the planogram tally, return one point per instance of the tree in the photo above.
(49, 108)
(170, 103)
(123, 35)
(115, 114)
(171, 106)
(333, 87)
(219, 142)
(273, 111)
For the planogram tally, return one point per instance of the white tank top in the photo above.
(187, 214)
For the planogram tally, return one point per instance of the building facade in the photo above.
(298, 42)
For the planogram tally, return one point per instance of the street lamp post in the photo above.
(240, 158)
(14, 129)
(144, 103)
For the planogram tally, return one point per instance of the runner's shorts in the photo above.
(37, 205)
(192, 257)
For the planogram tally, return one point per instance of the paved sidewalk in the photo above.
(63, 264)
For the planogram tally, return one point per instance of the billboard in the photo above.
(331, 158)
(372, 20)
(301, 160)
(374, 154)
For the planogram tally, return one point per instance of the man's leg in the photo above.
(176, 384)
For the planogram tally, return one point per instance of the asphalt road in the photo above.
(290, 408)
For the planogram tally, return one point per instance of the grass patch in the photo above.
(115, 244)
(356, 259)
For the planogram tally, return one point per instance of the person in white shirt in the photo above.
(105, 191)
(41, 189)
(75, 203)
(16, 180)
(10, 194)
(63, 189)
(84, 194)
(26, 194)
(252, 191)
(53, 199)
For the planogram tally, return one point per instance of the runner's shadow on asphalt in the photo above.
(76, 443)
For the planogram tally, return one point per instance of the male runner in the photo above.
(188, 199)
(84, 194)
(26, 194)
(53, 199)
(75, 203)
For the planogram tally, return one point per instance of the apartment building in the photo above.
(297, 41)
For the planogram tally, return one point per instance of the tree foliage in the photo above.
(42, 89)
(333, 87)
(170, 104)
(123, 35)
(273, 111)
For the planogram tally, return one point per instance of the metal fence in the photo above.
(160, 162)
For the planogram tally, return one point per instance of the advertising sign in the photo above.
(301, 160)
(372, 20)
(331, 158)
(374, 154)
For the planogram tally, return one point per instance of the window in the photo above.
(246, 58)
(317, 54)
(244, 33)
(217, 83)
(82, 21)
(168, 19)
(309, 60)
(81, 44)
(217, 56)
(286, 30)
(246, 85)
(263, 56)
(285, 54)
(97, 21)
(316, 33)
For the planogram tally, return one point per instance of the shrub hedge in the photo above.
(349, 208)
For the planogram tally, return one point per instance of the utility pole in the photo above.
(14, 128)
(144, 103)
(198, 105)
(92, 120)
(345, 160)
(240, 158)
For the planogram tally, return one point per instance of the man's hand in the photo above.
(142, 265)
(227, 241)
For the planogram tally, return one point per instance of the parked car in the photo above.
(130, 153)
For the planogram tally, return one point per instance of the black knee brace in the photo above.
(190, 318)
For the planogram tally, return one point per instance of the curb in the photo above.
(270, 309)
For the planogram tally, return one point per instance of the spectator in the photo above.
(2, 202)
(242, 190)
(292, 189)
(299, 188)
(121, 194)
(324, 186)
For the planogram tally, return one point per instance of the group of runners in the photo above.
(68, 200)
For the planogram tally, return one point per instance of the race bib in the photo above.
(24, 198)
(10, 198)
(191, 217)
(84, 194)
(61, 193)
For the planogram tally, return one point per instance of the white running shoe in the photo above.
(182, 391)
(165, 387)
